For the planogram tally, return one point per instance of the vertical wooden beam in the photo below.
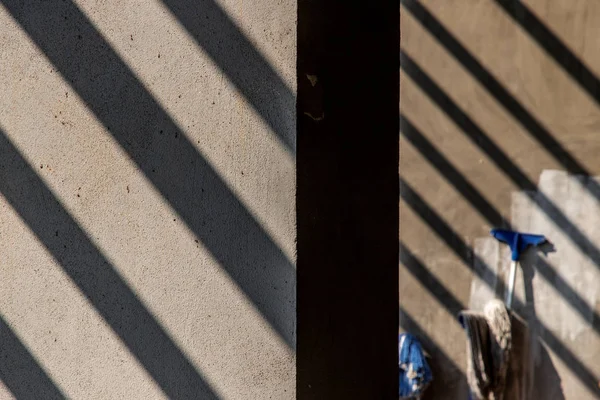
(347, 199)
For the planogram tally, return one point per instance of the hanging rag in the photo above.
(489, 342)
(415, 374)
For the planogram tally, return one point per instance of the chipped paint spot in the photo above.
(313, 79)
(315, 118)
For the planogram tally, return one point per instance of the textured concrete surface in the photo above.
(499, 105)
(147, 181)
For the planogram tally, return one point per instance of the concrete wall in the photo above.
(147, 216)
(500, 126)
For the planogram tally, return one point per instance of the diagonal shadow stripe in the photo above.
(20, 372)
(408, 323)
(448, 171)
(467, 255)
(499, 158)
(553, 46)
(449, 237)
(237, 57)
(97, 278)
(411, 326)
(476, 199)
(169, 160)
(495, 88)
(430, 281)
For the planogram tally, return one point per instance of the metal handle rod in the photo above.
(511, 284)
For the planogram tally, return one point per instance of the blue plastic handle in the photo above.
(517, 241)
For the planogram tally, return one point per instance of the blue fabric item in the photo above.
(415, 373)
(517, 241)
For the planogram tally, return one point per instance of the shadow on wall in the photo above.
(223, 41)
(97, 279)
(546, 382)
(531, 360)
(531, 364)
(532, 374)
(450, 383)
(183, 177)
(484, 272)
(531, 125)
(528, 121)
(20, 372)
(503, 162)
(547, 40)
(168, 159)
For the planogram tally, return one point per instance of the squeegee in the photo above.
(518, 243)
